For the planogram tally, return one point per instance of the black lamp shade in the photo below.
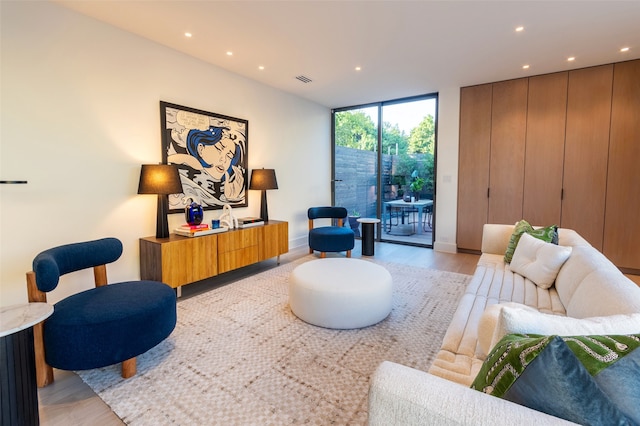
(263, 179)
(161, 179)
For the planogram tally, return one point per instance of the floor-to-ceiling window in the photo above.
(384, 166)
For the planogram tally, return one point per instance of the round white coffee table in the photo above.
(340, 293)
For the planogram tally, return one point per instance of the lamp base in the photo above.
(162, 222)
(264, 214)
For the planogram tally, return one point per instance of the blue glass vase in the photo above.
(193, 214)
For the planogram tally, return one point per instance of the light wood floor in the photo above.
(68, 401)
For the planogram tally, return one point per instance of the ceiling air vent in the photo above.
(303, 79)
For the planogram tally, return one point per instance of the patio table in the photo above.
(420, 205)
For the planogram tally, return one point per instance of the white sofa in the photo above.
(587, 285)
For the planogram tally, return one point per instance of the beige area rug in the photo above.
(238, 355)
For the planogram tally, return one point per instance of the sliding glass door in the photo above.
(356, 163)
(388, 171)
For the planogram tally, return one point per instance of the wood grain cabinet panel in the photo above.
(622, 226)
(544, 152)
(275, 240)
(177, 260)
(576, 133)
(586, 152)
(238, 248)
(506, 166)
(473, 160)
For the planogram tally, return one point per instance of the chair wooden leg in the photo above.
(44, 372)
(310, 250)
(348, 253)
(129, 368)
(323, 255)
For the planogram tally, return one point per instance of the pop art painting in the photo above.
(210, 151)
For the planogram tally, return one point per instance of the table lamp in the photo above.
(161, 179)
(263, 179)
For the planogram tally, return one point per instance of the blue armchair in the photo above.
(329, 238)
(101, 326)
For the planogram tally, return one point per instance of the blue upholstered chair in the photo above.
(329, 238)
(101, 326)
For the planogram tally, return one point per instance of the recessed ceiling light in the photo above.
(571, 58)
(624, 49)
(188, 34)
(261, 67)
(229, 53)
(358, 68)
(519, 29)
(525, 67)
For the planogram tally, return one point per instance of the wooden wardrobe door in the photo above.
(473, 164)
(587, 151)
(622, 222)
(506, 168)
(544, 152)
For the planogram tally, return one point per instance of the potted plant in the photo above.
(416, 186)
(354, 215)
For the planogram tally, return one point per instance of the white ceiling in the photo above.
(405, 48)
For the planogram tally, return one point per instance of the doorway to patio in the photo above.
(387, 171)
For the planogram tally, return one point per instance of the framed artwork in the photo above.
(210, 151)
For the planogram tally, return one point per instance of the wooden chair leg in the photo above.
(310, 250)
(129, 368)
(348, 253)
(44, 372)
(323, 255)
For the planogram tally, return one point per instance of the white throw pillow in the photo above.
(487, 325)
(513, 320)
(539, 261)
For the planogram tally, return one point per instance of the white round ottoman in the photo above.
(340, 293)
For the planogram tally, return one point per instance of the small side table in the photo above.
(18, 389)
(367, 235)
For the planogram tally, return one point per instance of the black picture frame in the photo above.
(211, 153)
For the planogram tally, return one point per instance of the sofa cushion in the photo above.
(519, 319)
(583, 261)
(488, 323)
(539, 261)
(584, 379)
(548, 234)
(621, 295)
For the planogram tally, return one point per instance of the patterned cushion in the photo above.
(548, 234)
(583, 379)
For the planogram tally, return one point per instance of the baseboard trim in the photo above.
(445, 247)
(299, 242)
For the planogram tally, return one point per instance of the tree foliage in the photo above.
(422, 138)
(415, 152)
(355, 129)
(393, 137)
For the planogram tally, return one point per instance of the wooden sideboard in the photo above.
(179, 260)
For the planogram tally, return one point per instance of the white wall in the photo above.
(80, 114)
(447, 169)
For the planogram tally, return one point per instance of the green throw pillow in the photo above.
(548, 235)
(583, 379)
